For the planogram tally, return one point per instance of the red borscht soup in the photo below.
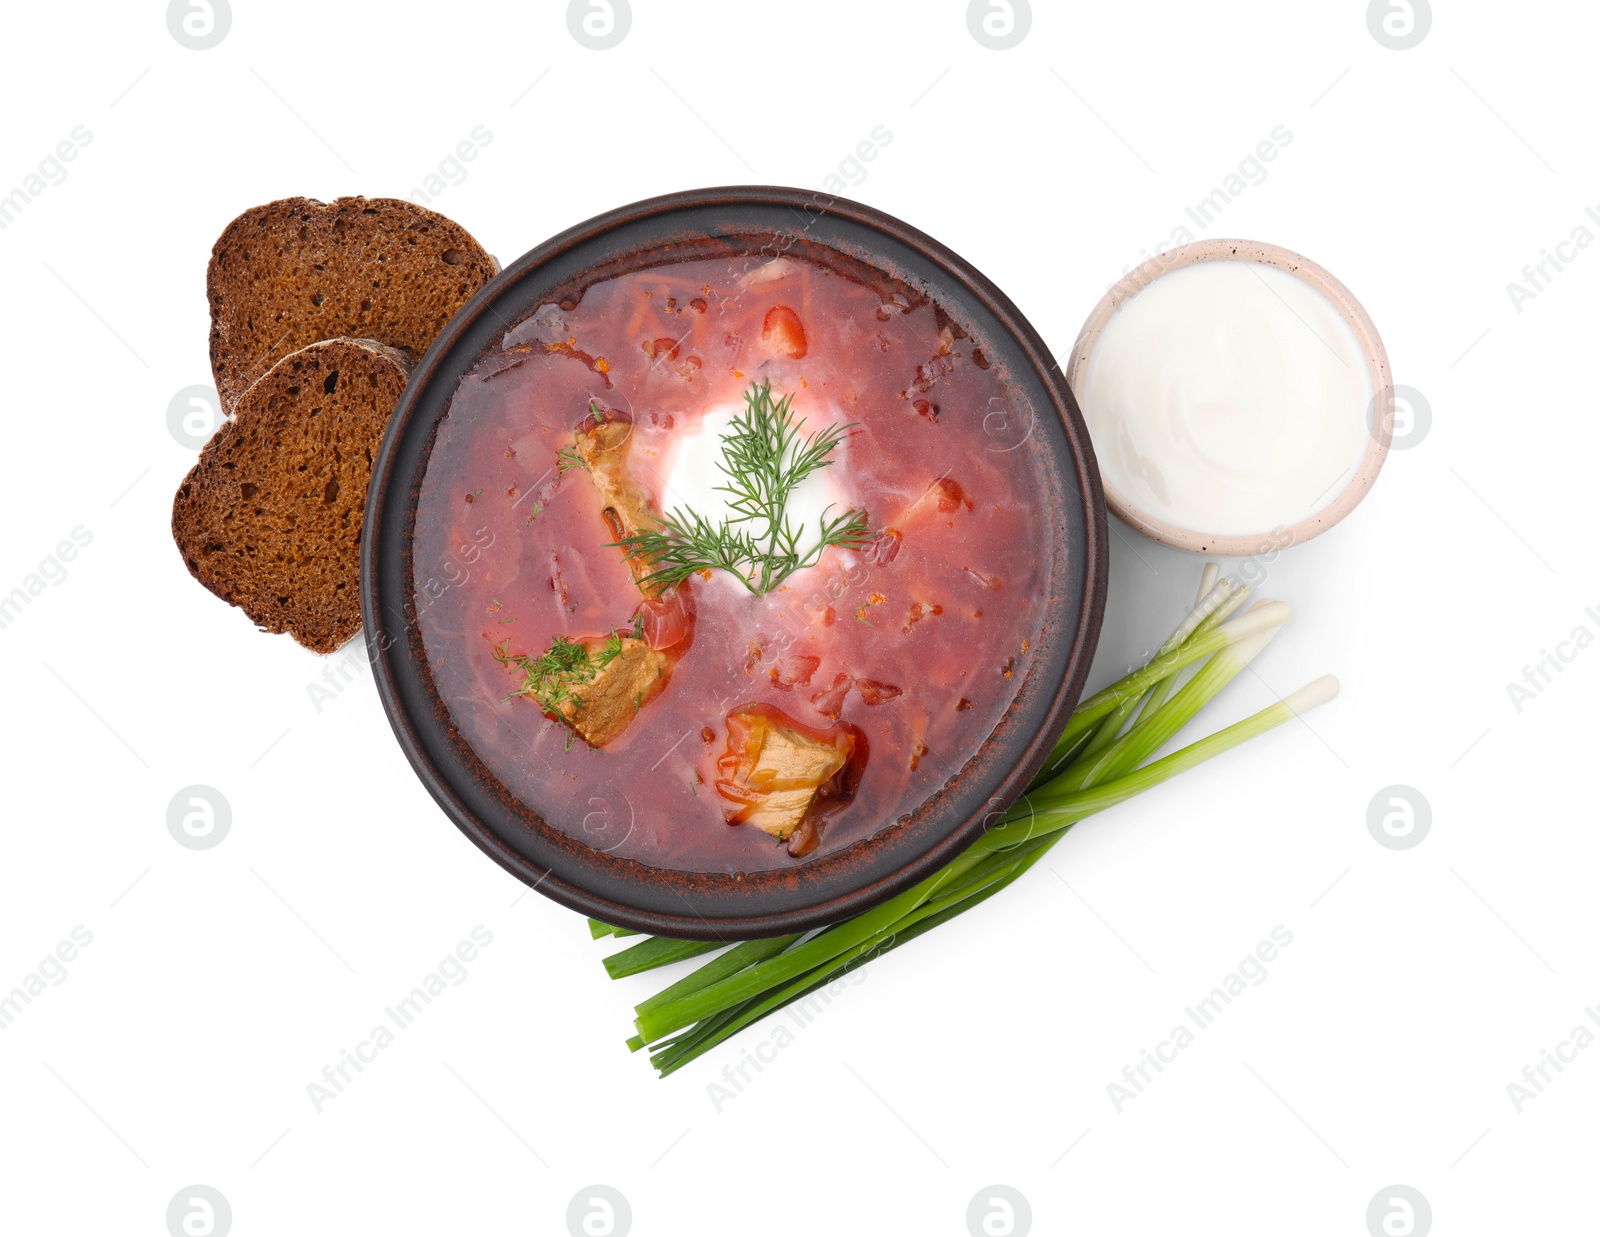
(729, 562)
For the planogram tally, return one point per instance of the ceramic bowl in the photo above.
(1380, 409)
(551, 855)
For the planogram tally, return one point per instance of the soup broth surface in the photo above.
(919, 640)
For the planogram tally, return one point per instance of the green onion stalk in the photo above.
(1106, 754)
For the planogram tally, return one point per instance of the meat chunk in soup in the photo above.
(601, 709)
(597, 685)
(603, 442)
(780, 775)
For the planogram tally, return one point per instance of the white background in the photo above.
(221, 982)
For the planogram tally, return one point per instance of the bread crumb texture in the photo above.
(269, 518)
(296, 271)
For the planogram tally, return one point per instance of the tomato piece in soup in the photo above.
(782, 332)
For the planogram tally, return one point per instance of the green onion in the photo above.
(655, 951)
(1099, 761)
(1196, 648)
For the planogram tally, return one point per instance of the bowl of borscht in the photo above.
(732, 561)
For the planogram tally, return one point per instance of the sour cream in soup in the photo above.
(696, 481)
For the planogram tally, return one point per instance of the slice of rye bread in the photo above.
(289, 273)
(269, 518)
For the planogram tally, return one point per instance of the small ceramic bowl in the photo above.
(1202, 541)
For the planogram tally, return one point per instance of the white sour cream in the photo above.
(694, 475)
(1227, 397)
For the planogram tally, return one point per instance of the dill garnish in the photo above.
(550, 679)
(765, 457)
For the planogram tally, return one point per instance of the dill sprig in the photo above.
(765, 455)
(552, 678)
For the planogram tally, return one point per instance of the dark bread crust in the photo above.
(269, 518)
(292, 272)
